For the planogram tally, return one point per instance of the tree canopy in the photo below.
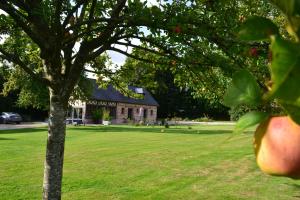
(206, 65)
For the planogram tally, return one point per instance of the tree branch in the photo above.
(21, 4)
(16, 60)
(122, 90)
(94, 43)
(20, 22)
(140, 47)
(136, 57)
(56, 21)
(157, 44)
(91, 15)
(90, 22)
(74, 9)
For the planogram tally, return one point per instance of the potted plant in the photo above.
(106, 117)
(97, 115)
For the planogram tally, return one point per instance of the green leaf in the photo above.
(243, 90)
(289, 7)
(257, 29)
(250, 119)
(285, 70)
(293, 110)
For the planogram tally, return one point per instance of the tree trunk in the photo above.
(53, 169)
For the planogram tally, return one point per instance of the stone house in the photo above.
(122, 109)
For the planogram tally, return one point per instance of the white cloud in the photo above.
(152, 3)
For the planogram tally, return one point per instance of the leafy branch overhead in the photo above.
(284, 65)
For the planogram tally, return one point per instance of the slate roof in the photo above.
(111, 94)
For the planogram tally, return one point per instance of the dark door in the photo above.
(130, 113)
(145, 113)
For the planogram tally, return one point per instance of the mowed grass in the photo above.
(126, 162)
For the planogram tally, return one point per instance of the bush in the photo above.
(97, 115)
(167, 125)
(205, 118)
(175, 119)
(237, 112)
(106, 115)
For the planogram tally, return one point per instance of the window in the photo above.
(69, 112)
(137, 110)
(151, 112)
(122, 111)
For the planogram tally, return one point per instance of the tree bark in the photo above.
(53, 169)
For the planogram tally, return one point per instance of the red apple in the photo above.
(177, 29)
(277, 147)
(241, 18)
(173, 62)
(253, 52)
(270, 56)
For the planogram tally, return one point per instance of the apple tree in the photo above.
(205, 65)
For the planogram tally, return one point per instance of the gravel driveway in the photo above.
(22, 125)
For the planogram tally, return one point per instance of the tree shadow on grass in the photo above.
(173, 130)
(23, 130)
(7, 138)
(121, 129)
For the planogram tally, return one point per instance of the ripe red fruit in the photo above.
(72, 20)
(67, 34)
(241, 18)
(277, 147)
(253, 52)
(177, 29)
(173, 62)
(270, 56)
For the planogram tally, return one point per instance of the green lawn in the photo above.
(124, 162)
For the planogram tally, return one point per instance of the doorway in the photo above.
(145, 113)
(129, 113)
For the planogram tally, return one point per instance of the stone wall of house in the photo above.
(122, 109)
(137, 111)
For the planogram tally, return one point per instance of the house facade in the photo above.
(122, 109)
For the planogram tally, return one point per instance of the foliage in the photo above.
(237, 112)
(206, 65)
(250, 119)
(243, 90)
(205, 118)
(174, 99)
(106, 115)
(283, 64)
(167, 125)
(97, 115)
